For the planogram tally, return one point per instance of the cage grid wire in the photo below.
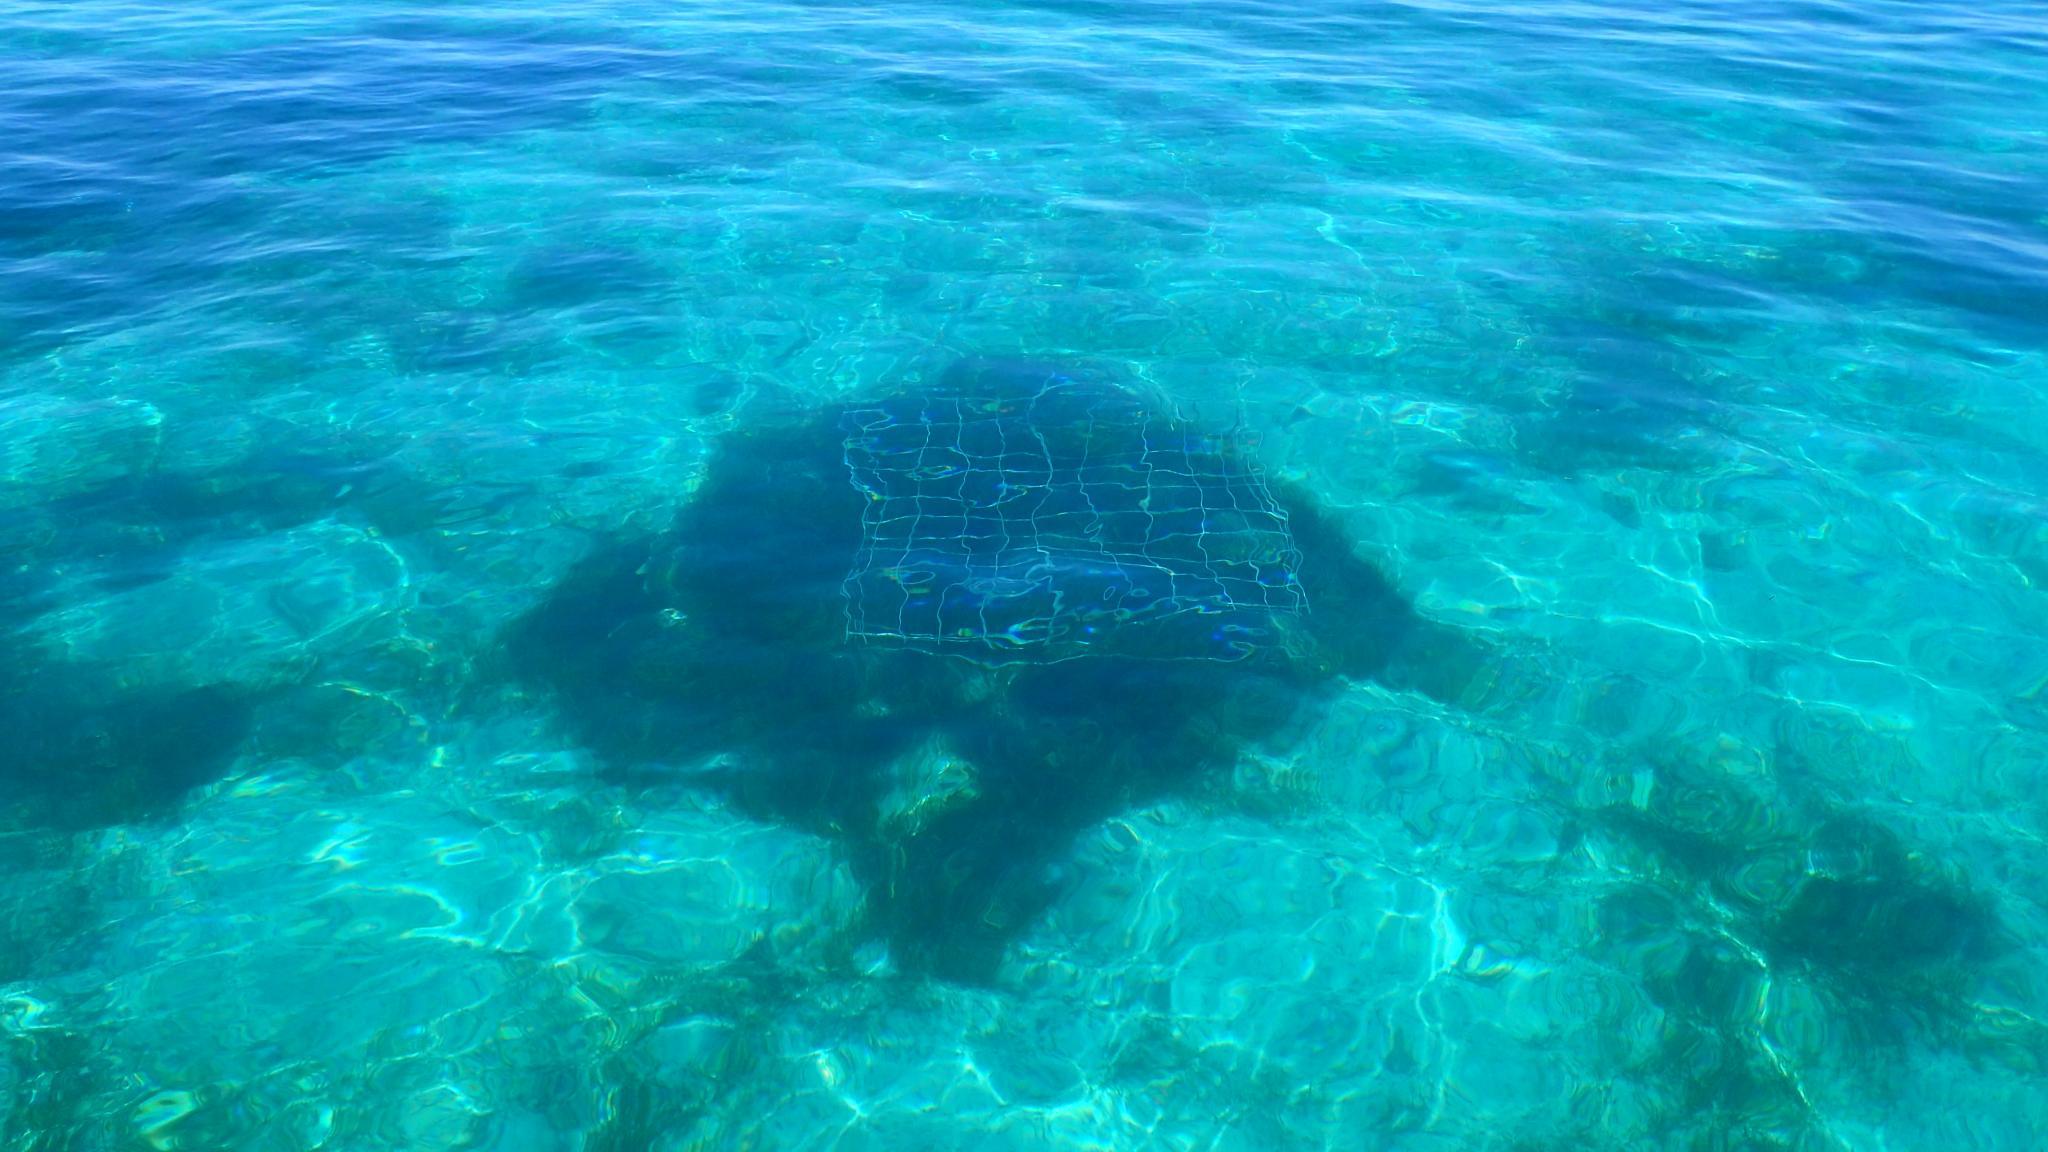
(1062, 520)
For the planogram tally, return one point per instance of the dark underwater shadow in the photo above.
(714, 656)
(85, 752)
(82, 744)
(81, 748)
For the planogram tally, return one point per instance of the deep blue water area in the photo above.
(1541, 512)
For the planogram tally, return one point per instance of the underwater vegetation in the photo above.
(715, 656)
(84, 752)
(1768, 918)
(111, 715)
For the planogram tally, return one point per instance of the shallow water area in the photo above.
(426, 521)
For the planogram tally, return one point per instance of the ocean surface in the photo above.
(431, 716)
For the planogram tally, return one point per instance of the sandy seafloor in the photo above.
(410, 741)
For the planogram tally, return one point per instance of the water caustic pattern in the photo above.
(425, 522)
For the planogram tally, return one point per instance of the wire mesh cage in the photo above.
(1031, 515)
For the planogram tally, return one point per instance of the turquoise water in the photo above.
(429, 716)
